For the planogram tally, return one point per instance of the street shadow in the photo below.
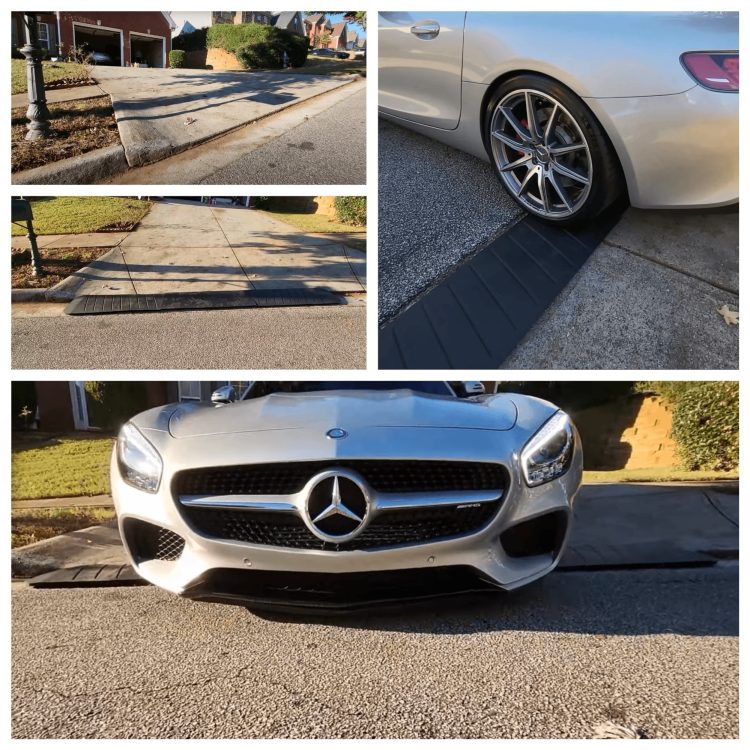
(700, 602)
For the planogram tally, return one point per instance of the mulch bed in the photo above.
(34, 525)
(57, 263)
(76, 128)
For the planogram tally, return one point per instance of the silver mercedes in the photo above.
(575, 110)
(336, 495)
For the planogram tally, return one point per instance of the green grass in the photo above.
(319, 224)
(659, 474)
(59, 467)
(75, 215)
(330, 66)
(53, 71)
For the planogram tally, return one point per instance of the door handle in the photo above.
(426, 30)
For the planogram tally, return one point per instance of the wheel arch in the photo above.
(508, 75)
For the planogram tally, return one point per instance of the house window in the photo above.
(43, 33)
(189, 390)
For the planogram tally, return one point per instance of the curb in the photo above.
(77, 170)
(152, 151)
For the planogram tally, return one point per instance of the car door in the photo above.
(420, 66)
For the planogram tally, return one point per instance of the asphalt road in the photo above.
(656, 650)
(329, 148)
(288, 338)
(437, 206)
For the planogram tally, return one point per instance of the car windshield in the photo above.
(264, 388)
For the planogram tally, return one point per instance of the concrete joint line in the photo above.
(670, 267)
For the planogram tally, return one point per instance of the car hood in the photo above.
(343, 409)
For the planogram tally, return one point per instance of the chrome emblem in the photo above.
(337, 505)
(336, 433)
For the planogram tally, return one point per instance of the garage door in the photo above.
(147, 50)
(105, 44)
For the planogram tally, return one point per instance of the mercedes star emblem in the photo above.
(337, 506)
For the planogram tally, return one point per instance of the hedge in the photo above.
(177, 58)
(195, 40)
(705, 421)
(351, 209)
(257, 42)
(111, 404)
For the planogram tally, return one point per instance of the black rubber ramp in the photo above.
(632, 557)
(89, 576)
(110, 304)
(477, 316)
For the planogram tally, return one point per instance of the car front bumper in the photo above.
(264, 575)
(676, 151)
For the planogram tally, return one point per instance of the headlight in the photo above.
(140, 464)
(548, 454)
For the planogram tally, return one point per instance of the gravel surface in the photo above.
(653, 650)
(437, 206)
(328, 148)
(293, 338)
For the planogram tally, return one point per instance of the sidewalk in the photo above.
(89, 239)
(183, 246)
(54, 96)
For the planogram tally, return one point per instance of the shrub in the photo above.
(190, 42)
(705, 421)
(243, 40)
(260, 55)
(351, 209)
(177, 58)
(113, 403)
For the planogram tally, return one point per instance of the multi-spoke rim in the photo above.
(541, 153)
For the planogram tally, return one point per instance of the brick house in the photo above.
(143, 37)
(61, 406)
(316, 26)
(338, 36)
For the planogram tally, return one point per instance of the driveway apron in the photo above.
(162, 111)
(182, 247)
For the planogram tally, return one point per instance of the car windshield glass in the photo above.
(436, 387)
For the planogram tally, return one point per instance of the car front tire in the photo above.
(549, 152)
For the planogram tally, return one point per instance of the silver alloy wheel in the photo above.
(541, 153)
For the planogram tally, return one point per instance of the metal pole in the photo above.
(36, 260)
(37, 113)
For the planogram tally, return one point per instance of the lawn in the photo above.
(76, 128)
(319, 224)
(33, 525)
(330, 66)
(68, 466)
(659, 474)
(54, 72)
(75, 215)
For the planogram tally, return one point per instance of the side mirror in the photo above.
(474, 387)
(224, 395)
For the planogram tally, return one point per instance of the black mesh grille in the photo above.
(150, 542)
(388, 529)
(382, 476)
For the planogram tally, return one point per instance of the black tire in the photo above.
(606, 179)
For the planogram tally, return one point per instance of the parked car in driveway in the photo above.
(323, 52)
(333, 495)
(574, 110)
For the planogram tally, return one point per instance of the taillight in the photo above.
(718, 71)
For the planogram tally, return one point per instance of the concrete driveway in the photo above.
(647, 298)
(162, 111)
(185, 246)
